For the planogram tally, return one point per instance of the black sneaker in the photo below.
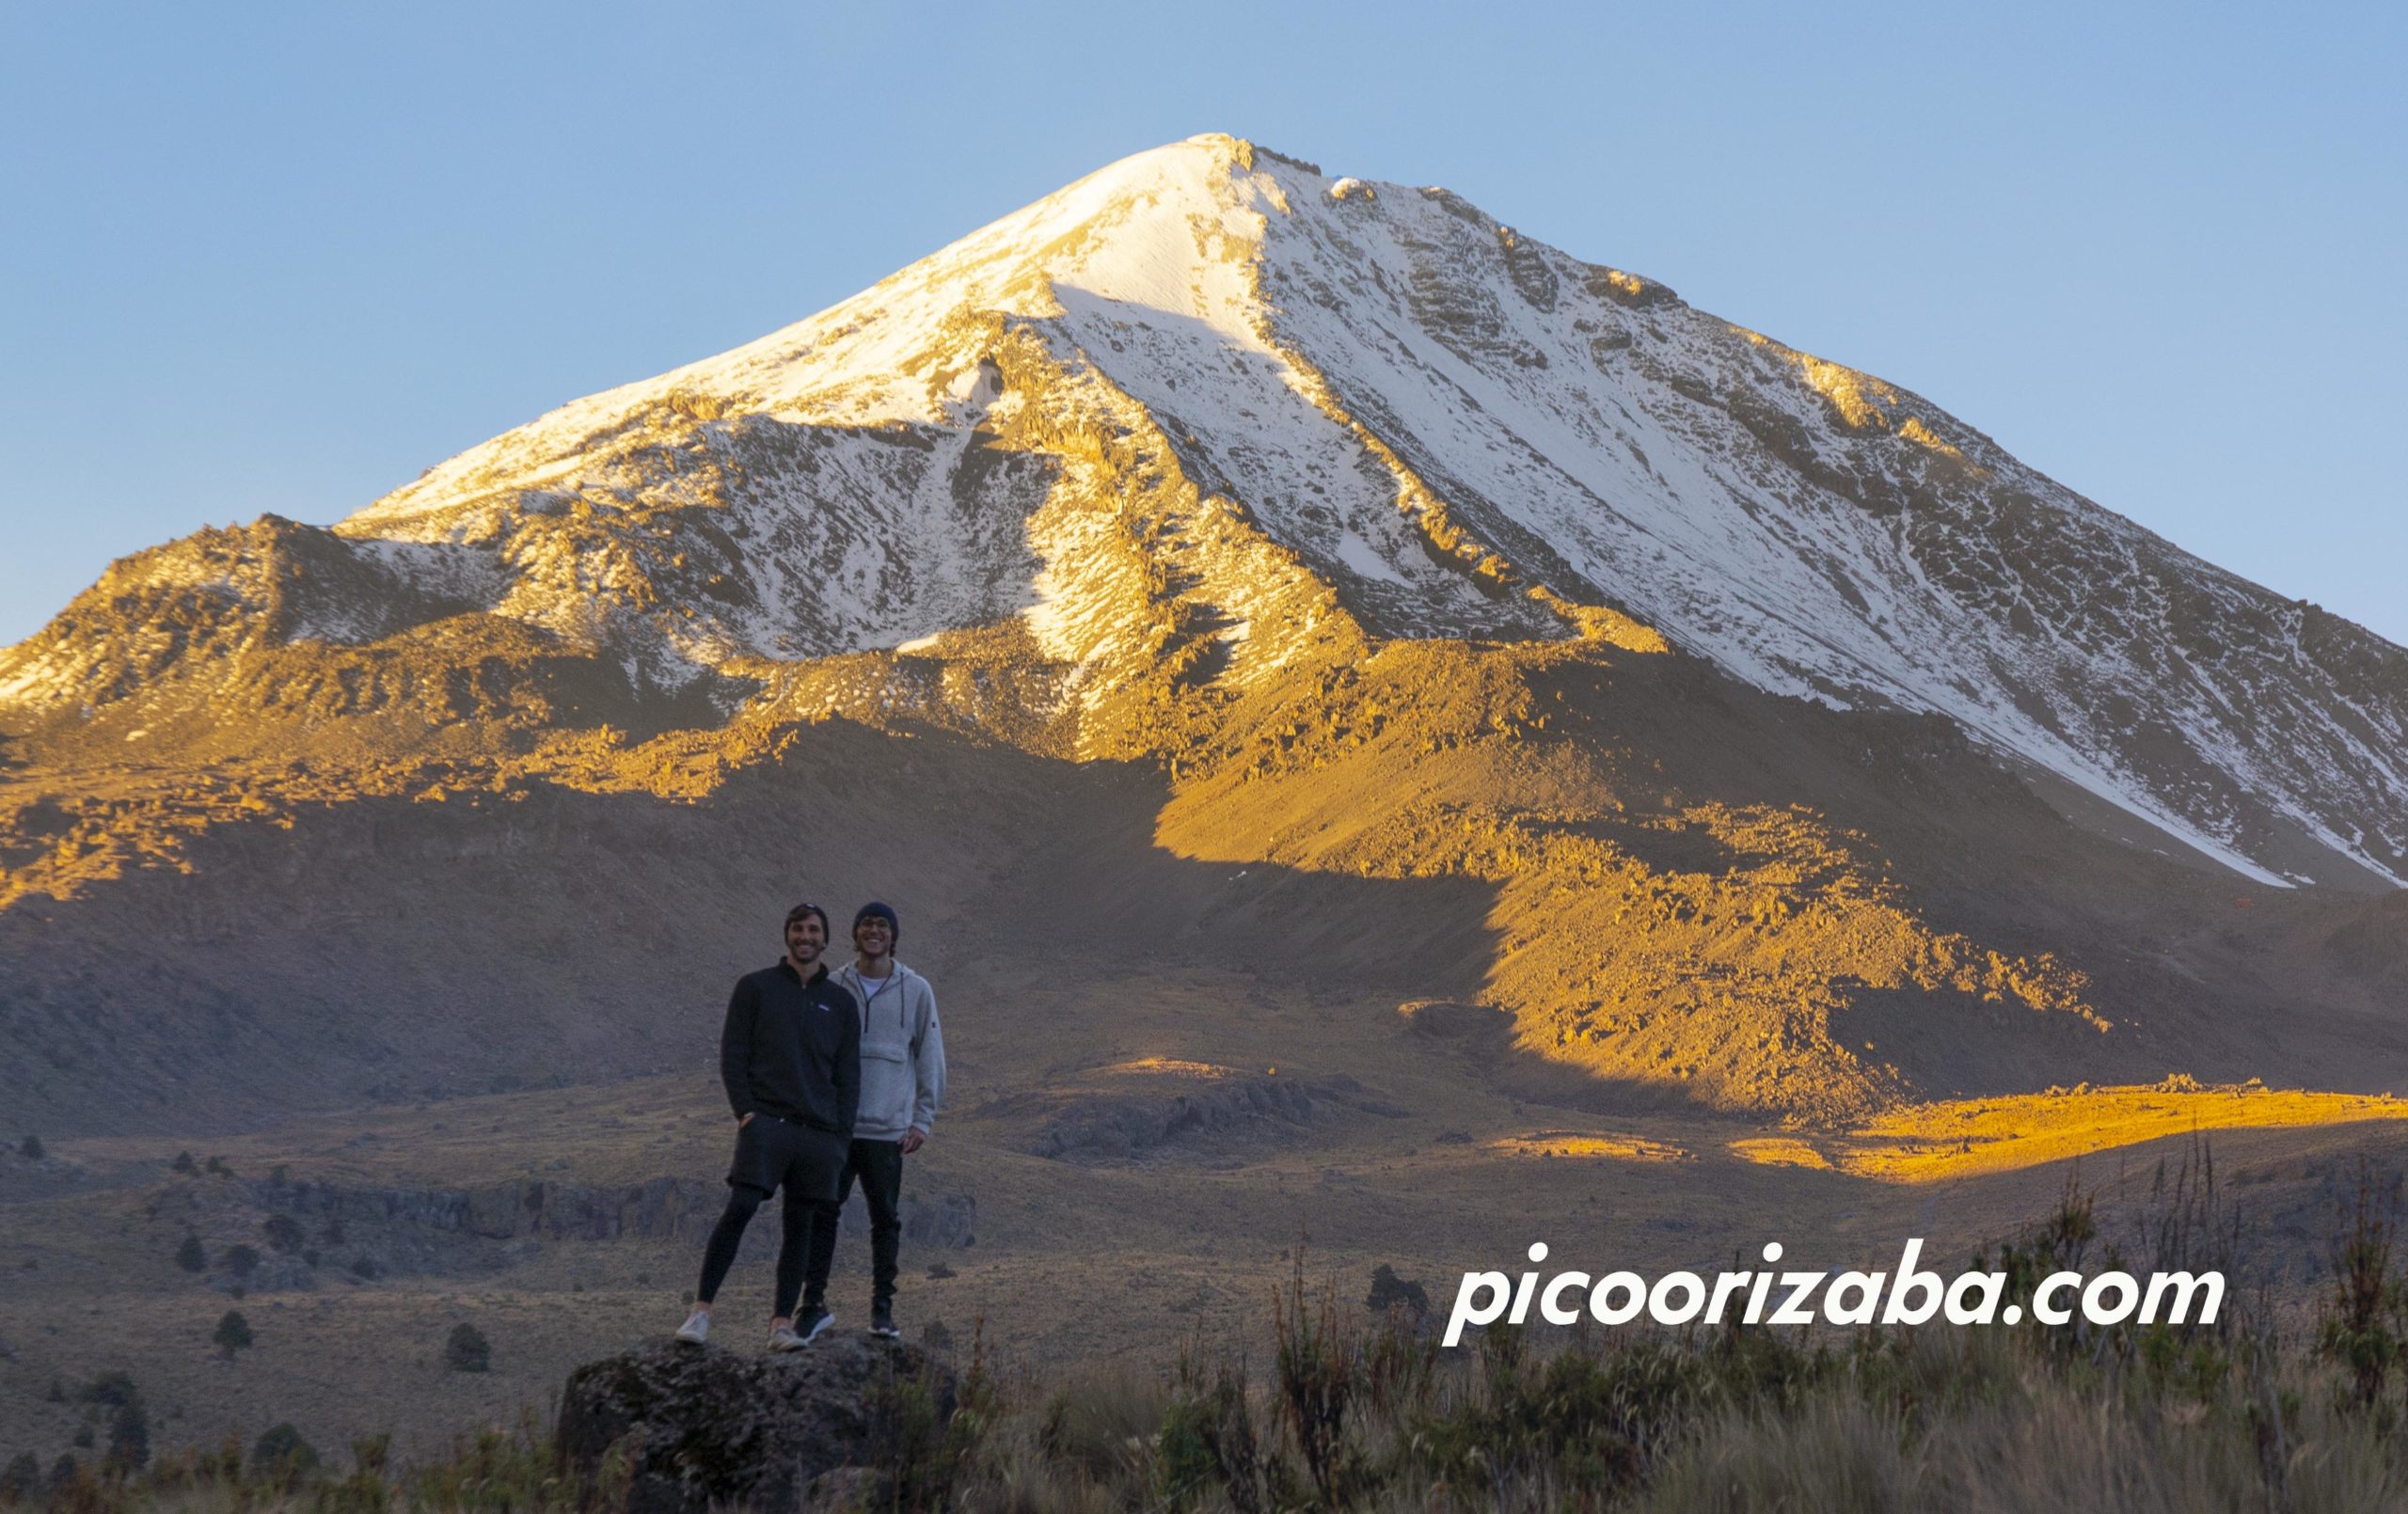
(812, 1322)
(882, 1321)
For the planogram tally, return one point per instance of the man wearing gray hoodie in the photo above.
(902, 1081)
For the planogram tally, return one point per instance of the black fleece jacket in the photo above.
(792, 1049)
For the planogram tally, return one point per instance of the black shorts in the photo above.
(772, 1154)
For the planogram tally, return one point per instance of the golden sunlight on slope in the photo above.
(1583, 1143)
(1668, 921)
(1963, 1138)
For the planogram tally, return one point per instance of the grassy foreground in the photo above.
(1343, 1408)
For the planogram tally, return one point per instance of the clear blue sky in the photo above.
(282, 257)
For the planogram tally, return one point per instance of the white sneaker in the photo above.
(697, 1328)
(783, 1338)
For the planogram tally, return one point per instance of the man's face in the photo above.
(873, 937)
(806, 938)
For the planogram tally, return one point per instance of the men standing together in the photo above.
(834, 1078)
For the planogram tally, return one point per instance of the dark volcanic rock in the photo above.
(713, 1426)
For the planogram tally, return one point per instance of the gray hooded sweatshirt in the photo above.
(902, 1054)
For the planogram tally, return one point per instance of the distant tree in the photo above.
(129, 1438)
(190, 1256)
(115, 1389)
(31, 1150)
(283, 1232)
(62, 1473)
(280, 1454)
(1389, 1291)
(58, 1394)
(364, 1267)
(241, 1260)
(467, 1350)
(217, 1165)
(278, 1176)
(234, 1333)
(184, 1164)
(23, 1479)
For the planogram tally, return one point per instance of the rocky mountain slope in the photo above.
(1531, 636)
(1198, 405)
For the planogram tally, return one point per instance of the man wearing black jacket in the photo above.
(790, 1055)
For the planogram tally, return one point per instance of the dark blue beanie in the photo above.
(875, 911)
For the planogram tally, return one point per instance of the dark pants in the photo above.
(878, 1165)
(772, 1154)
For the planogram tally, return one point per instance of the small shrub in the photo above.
(31, 1150)
(62, 1474)
(22, 1478)
(240, 1260)
(283, 1232)
(1208, 1436)
(184, 1164)
(466, 1350)
(217, 1167)
(2358, 1324)
(114, 1389)
(369, 1488)
(926, 1455)
(364, 1267)
(234, 1333)
(1318, 1375)
(281, 1457)
(1389, 1291)
(1094, 1420)
(190, 1255)
(129, 1438)
(508, 1468)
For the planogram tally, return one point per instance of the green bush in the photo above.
(129, 1445)
(1391, 1292)
(2359, 1324)
(281, 1458)
(283, 1232)
(190, 1255)
(466, 1350)
(234, 1333)
(22, 1478)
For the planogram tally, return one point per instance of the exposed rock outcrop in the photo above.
(708, 1427)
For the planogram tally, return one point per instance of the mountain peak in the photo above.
(1207, 408)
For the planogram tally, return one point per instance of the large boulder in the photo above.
(710, 1425)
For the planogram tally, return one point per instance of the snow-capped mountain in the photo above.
(1193, 412)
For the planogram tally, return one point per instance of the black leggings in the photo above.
(794, 1247)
